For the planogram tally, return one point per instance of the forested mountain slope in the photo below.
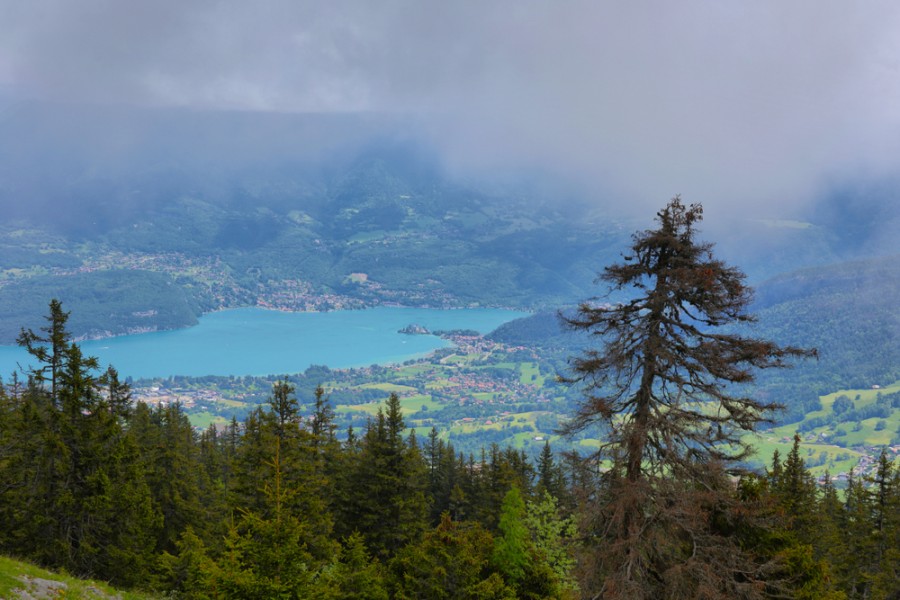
(847, 311)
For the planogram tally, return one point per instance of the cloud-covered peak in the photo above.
(732, 104)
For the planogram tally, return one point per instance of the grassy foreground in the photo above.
(23, 580)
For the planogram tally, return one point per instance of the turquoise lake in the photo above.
(254, 341)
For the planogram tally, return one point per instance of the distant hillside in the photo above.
(347, 209)
(314, 212)
(847, 311)
(544, 329)
(102, 303)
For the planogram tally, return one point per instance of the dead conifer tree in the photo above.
(662, 383)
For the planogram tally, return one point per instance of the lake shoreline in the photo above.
(93, 337)
(259, 341)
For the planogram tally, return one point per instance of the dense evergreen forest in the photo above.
(282, 506)
(278, 507)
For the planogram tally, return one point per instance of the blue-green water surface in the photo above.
(254, 341)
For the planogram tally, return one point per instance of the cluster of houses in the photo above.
(484, 347)
(200, 399)
(299, 295)
(428, 292)
(207, 271)
(867, 465)
(291, 295)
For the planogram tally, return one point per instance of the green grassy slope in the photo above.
(18, 578)
(838, 440)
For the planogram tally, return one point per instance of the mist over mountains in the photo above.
(163, 161)
(357, 208)
(87, 167)
(68, 166)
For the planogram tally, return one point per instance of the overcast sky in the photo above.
(725, 102)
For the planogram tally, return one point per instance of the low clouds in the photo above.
(729, 103)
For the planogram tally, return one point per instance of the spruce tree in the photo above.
(354, 576)
(886, 528)
(300, 471)
(386, 500)
(550, 475)
(172, 467)
(829, 540)
(857, 570)
(80, 498)
(796, 493)
(275, 542)
(451, 562)
(48, 349)
(553, 537)
(327, 454)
